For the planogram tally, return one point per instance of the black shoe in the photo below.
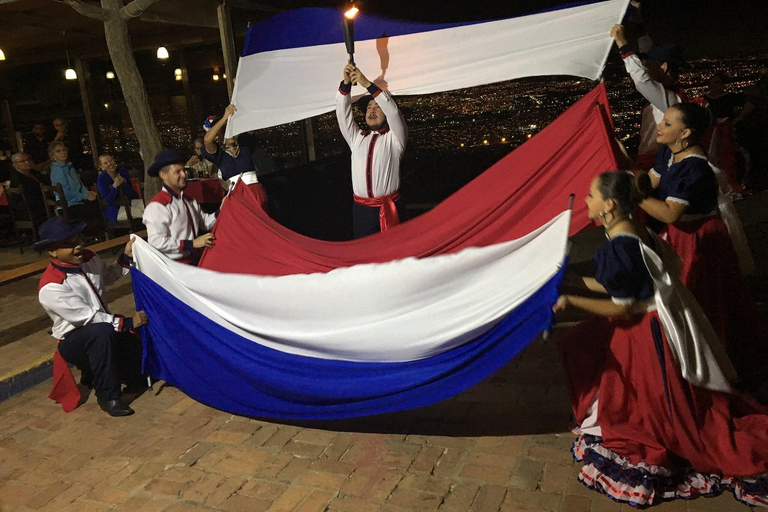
(115, 407)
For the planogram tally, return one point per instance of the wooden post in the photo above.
(308, 129)
(10, 129)
(227, 45)
(194, 125)
(84, 79)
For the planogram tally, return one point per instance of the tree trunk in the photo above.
(134, 92)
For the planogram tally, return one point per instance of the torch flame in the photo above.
(350, 14)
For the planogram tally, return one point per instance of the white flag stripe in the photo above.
(401, 310)
(281, 86)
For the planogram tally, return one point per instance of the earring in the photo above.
(601, 216)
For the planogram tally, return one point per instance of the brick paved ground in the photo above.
(501, 446)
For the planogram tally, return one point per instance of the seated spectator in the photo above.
(77, 156)
(29, 180)
(98, 342)
(201, 167)
(113, 181)
(37, 147)
(80, 200)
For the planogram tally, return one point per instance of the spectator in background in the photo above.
(36, 146)
(80, 201)
(77, 155)
(29, 180)
(752, 131)
(111, 183)
(720, 144)
(201, 167)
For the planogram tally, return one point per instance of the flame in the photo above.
(350, 14)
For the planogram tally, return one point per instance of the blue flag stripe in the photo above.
(226, 371)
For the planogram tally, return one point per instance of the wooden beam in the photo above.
(9, 276)
(83, 80)
(189, 20)
(247, 5)
(227, 45)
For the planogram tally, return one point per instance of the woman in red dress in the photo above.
(650, 385)
(682, 193)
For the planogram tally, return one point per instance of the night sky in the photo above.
(705, 28)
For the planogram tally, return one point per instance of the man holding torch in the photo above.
(376, 153)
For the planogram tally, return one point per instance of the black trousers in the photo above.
(365, 219)
(105, 356)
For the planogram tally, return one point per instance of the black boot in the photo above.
(115, 407)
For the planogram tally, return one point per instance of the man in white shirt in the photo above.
(174, 222)
(376, 153)
(98, 342)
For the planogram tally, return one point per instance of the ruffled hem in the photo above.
(644, 484)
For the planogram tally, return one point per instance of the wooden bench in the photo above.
(9, 276)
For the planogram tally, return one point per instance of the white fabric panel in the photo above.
(694, 342)
(401, 310)
(281, 86)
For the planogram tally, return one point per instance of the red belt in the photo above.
(388, 216)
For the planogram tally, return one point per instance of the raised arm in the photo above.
(653, 91)
(210, 136)
(347, 125)
(388, 106)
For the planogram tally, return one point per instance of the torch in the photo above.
(348, 27)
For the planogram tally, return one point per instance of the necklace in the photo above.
(675, 153)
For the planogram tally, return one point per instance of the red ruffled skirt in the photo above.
(662, 437)
(712, 273)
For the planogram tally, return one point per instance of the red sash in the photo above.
(388, 216)
(65, 390)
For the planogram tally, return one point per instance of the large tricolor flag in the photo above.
(292, 62)
(359, 340)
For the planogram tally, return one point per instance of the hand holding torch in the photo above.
(348, 27)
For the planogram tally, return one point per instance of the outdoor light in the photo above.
(224, 76)
(348, 27)
(461, 145)
(69, 74)
(177, 72)
(178, 78)
(485, 141)
(2, 55)
(529, 135)
(215, 78)
(110, 75)
(162, 53)
(106, 105)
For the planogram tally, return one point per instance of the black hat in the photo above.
(669, 53)
(55, 230)
(362, 103)
(165, 157)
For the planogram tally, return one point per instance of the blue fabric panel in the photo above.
(314, 26)
(224, 370)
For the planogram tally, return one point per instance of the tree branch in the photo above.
(90, 11)
(135, 8)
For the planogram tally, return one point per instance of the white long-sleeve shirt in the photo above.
(173, 221)
(73, 296)
(657, 95)
(376, 155)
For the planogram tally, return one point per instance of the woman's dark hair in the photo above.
(621, 188)
(694, 117)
